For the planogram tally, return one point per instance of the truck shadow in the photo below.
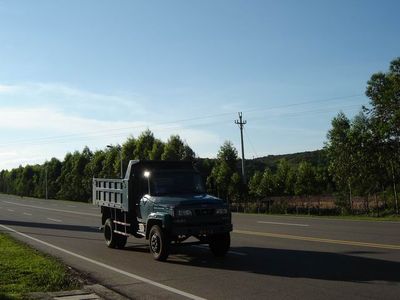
(294, 264)
(50, 226)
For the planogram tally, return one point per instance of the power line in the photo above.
(63, 140)
(251, 144)
(109, 132)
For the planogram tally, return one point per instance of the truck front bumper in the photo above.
(200, 230)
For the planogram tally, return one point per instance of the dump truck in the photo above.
(164, 202)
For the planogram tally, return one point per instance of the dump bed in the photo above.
(125, 193)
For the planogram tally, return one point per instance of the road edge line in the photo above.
(95, 262)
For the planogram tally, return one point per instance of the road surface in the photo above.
(272, 257)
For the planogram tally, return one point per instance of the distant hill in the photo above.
(316, 158)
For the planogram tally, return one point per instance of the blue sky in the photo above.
(76, 73)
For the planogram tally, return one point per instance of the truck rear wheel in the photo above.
(113, 240)
(220, 243)
(159, 243)
(121, 241)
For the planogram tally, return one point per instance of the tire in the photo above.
(109, 235)
(113, 240)
(158, 243)
(219, 244)
(121, 241)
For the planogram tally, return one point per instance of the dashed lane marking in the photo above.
(95, 262)
(318, 240)
(10, 210)
(54, 209)
(27, 214)
(54, 220)
(285, 224)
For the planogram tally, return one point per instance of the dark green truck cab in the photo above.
(163, 202)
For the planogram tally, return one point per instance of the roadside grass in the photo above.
(25, 270)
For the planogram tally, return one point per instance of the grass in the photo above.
(24, 270)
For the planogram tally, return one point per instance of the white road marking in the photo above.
(95, 262)
(55, 209)
(287, 224)
(231, 252)
(71, 205)
(27, 214)
(10, 210)
(54, 220)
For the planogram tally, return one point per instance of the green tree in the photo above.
(305, 180)
(284, 178)
(157, 150)
(25, 185)
(144, 145)
(74, 182)
(54, 167)
(3, 181)
(365, 157)
(176, 149)
(383, 89)
(234, 188)
(255, 185)
(95, 167)
(111, 159)
(341, 161)
(128, 153)
(221, 177)
(267, 183)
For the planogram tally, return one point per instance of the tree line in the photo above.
(361, 157)
(71, 178)
(364, 152)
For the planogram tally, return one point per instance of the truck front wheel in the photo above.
(113, 240)
(220, 243)
(159, 243)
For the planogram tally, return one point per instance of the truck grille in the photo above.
(205, 212)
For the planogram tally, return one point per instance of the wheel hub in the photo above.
(155, 243)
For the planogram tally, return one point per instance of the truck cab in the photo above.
(163, 202)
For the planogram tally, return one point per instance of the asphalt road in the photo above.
(272, 257)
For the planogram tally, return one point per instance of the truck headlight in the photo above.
(221, 211)
(184, 213)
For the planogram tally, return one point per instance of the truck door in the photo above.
(146, 207)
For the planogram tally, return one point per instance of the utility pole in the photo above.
(241, 123)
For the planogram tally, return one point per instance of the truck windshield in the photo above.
(173, 182)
